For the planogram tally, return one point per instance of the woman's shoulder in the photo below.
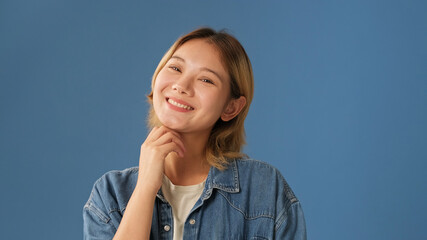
(113, 189)
(114, 179)
(251, 163)
(247, 165)
(262, 175)
(264, 192)
(113, 176)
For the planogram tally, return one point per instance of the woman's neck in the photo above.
(193, 167)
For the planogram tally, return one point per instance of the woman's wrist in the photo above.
(147, 187)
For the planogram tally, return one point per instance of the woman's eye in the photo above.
(207, 81)
(175, 68)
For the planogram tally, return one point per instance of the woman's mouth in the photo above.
(180, 105)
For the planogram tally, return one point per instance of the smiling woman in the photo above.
(197, 96)
(193, 181)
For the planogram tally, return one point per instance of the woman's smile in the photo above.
(179, 105)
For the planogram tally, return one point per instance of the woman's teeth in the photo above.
(179, 104)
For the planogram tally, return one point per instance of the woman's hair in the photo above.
(226, 138)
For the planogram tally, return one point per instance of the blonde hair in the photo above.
(226, 138)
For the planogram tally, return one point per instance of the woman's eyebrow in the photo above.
(202, 69)
(178, 58)
(212, 71)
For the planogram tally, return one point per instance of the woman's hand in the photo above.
(159, 143)
(136, 221)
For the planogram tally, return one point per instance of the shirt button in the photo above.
(192, 221)
(167, 228)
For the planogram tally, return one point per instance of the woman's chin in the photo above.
(173, 125)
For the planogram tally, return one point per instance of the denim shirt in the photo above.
(248, 200)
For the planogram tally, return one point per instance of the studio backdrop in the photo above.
(340, 105)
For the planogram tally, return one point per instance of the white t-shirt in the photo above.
(182, 200)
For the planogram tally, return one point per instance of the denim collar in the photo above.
(226, 180)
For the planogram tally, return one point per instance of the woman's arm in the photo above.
(136, 221)
(292, 224)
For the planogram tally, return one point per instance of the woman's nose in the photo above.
(183, 85)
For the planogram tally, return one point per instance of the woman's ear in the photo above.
(233, 108)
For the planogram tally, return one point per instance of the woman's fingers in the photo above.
(157, 132)
(153, 131)
(162, 135)
(170, 137)
(171, 147)
(154, 134)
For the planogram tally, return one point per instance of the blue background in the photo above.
(339, 107)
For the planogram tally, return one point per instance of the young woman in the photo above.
(193, 182)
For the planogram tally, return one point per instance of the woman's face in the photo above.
(193, 88)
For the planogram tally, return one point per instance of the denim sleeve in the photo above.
(97, 223)
(291, 224)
